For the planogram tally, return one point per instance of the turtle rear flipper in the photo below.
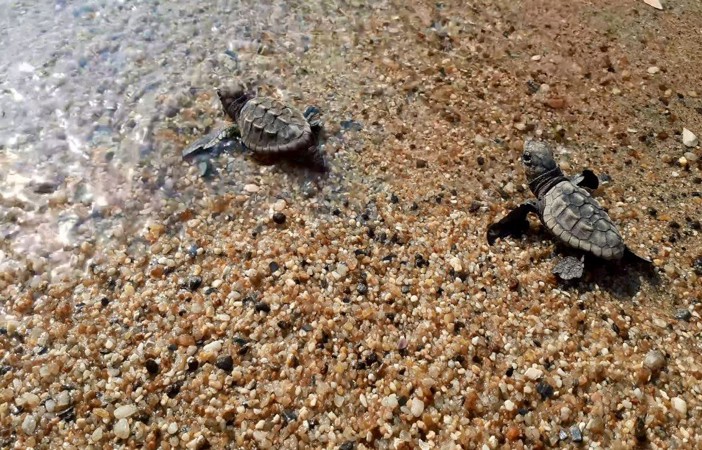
(569, 268)
(631, 257)
(515, 223)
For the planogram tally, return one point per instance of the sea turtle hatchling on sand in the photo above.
(566, 209)
(271, 129)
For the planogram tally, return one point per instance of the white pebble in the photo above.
(533, 374)
(251, 188)
(509, 405)
(29, 424)
(390, 401)
(456, 264)
(680, 405)
(213, 347)
(653, 70)
(124, 411)
(122, 429)
(172, 428)
(97, 435)
(536, 58)
(417, 407)
(689, 138)
(655, 3)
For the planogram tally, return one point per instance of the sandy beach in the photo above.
(143, 305)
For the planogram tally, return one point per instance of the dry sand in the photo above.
(375, 315)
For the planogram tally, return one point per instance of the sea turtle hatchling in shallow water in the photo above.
(566, 209)
(271, 129)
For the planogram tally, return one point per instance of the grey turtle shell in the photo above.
(576, 219)
(271, 127)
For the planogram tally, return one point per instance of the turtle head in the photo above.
(233, 98)
(539, 165)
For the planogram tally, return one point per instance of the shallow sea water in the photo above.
(84, 87)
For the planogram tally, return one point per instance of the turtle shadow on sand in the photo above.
(623, 279)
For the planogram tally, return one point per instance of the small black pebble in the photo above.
(362, 288)
(279, 218)
(151, 366)
(289, 415)
(172, 347)
(394, 199)
(193, 364)
(225, 363)
(262, 306)
(683, 314)
(194, 283)
(348, 445)
(522, 411)
(274, 267)
(104, 301)
(510, 371)
(481, 160)
(173, 390)
(545, 389)
(307, 327)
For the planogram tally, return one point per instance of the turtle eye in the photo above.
(526, 157)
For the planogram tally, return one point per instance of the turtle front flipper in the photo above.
(313, 115)
(213, 143)
(586, 180)
(515, 223)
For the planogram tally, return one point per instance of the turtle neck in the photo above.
(544, 182)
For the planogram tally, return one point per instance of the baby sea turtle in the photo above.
(271, 129)
(566, 209)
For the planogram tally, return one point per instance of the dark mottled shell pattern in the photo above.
(576, 219)
(269, 126)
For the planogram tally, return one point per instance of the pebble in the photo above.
(226, 363)
(29, 424)
(125, 411)
(533, 373)
(213, 347)
(279, 218)
(653, 70)
(279, 205)
(96, 436)
(689, 138)
(509, 405)
(655, 361)
(683, 314)
(122, 429)
(172, 428)
(455, 263)
(576, 433)
(680, 405)
(536, 58)
(417, 407)
(151, 366)
(655, 3)
(251, 188)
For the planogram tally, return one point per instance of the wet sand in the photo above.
(375, 315)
